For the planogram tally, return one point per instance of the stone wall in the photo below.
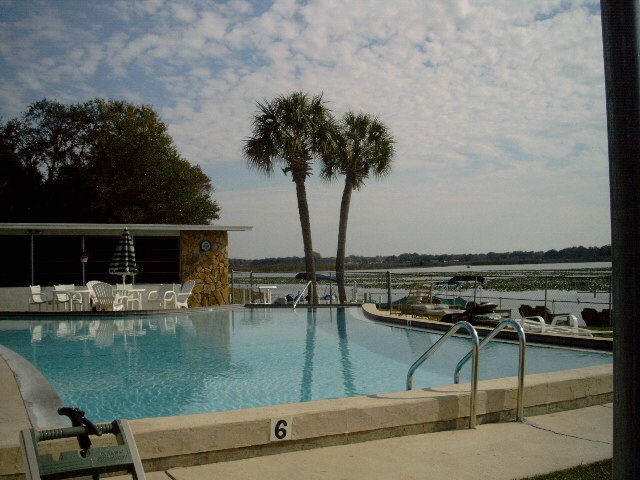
(209, 268)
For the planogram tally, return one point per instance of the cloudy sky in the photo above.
(497, 107)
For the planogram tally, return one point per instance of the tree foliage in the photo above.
(405, 260)
(290, 132)
(102, 161)
(365, 148)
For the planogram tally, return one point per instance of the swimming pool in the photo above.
(153, 366)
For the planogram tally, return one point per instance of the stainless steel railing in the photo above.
(521, 360)
(474, 365)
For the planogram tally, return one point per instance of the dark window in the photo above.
(158, 259)
(16, 267)
(100, 251)
(56, 259)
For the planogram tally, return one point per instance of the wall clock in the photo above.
(205, 245)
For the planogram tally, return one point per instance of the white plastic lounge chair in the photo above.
(37, 297)
(564, 324)
(162, 295)
(105, 299)
(92, 295)
(180, 300)
(419, 295)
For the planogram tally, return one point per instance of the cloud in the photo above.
(497, 106)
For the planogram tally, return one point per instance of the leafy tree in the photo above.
(101, 161)
(365, 148)
(19, 186)
(290, 131)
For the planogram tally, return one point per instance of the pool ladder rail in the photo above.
(474, 355)
(306, 287)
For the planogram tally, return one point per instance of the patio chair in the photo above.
(37, 297)
(76, 298)
(105, 299)
(132, 295)
(539, 311)
(565, 324)
(180, 299)
(594, 318)
(63, 294)
(527, 311)
(419, 294)
(92, 295)
(162, 295)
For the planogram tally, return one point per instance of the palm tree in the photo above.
(365, 148)
(291, 131)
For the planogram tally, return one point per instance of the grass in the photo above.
(593, 471)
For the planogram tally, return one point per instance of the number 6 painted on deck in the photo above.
(280, 429)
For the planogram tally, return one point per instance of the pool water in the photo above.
(201, 362)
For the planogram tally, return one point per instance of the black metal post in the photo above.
(32, 259)
(620, 41)
(83, 260)
(389, 292)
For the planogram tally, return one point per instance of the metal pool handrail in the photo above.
(301, 294)
(521, 360)
(474, 366)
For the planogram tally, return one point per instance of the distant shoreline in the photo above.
(417, 260)
(265, 265)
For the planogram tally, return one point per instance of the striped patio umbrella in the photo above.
(124, 259)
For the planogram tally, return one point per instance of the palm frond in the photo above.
(365, 148)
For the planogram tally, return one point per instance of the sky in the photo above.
(497, 108)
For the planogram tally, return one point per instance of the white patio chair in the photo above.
(63, 295)
(92, 294)
(132, 297)
(76, 298)
(537, 324)
(105, 299)
(37, 297)
(162, 295)
(180, 300)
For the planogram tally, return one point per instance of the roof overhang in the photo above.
(110, 229)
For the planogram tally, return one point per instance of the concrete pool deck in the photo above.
(396, 435)
(497, 451)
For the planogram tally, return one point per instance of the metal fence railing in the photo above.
(559, 293)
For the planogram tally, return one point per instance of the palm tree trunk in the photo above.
(342, 239)
(305, 224)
